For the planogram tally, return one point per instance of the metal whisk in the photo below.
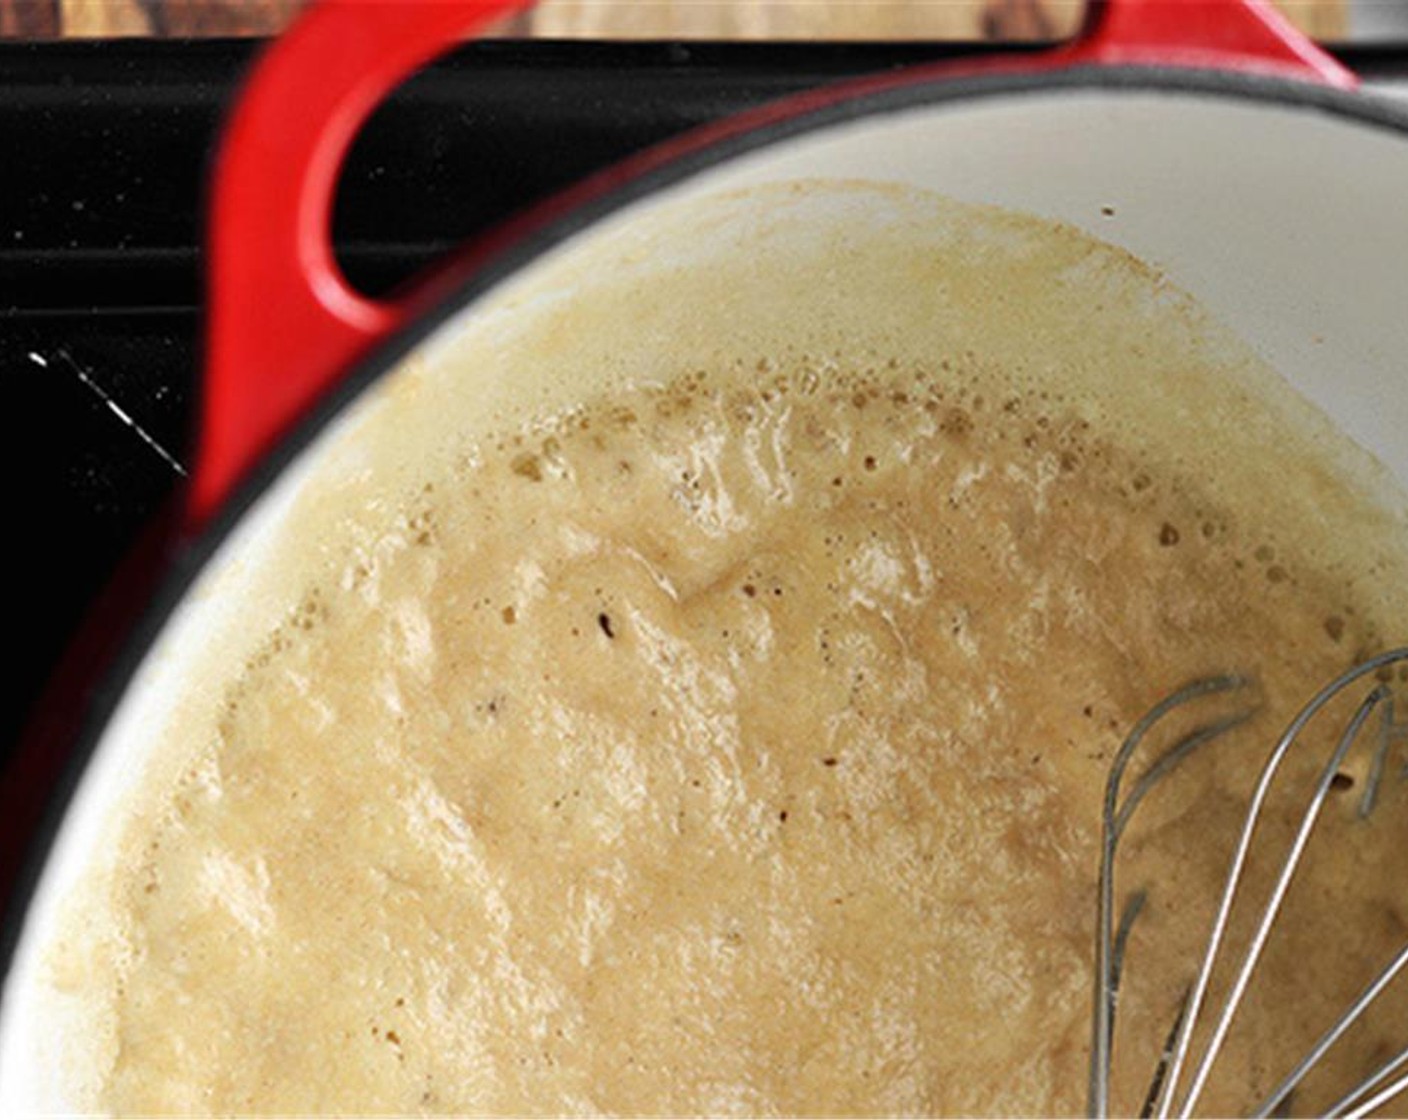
(1181, 1076)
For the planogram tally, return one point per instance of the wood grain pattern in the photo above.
(633, 19)
(797, 19)
(843, 19)
(108, 18)
(222, 17)
(102, 19)
(29, 19)
(1326, 20)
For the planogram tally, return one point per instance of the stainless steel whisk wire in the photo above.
(1164, 1099)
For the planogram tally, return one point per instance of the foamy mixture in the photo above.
(735, 744)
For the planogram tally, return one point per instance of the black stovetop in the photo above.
(105, 147)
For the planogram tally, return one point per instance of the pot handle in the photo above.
(283, 323)
(1246, 36)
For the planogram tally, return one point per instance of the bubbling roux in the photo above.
(733, 740)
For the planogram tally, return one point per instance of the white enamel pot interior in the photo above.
(1284, 210)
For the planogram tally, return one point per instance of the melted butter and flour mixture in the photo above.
(734, 743)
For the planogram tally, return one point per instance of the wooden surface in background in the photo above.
(29, 19)
(703, 19)
(856, 19)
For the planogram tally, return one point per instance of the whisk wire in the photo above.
(1171, 758)
(1331, 1036)
(1351, 1107)
(1107, 962)
(1283, 881)
(1165, 1090)
(1390, 731)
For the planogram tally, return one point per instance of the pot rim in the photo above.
(548, 225)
